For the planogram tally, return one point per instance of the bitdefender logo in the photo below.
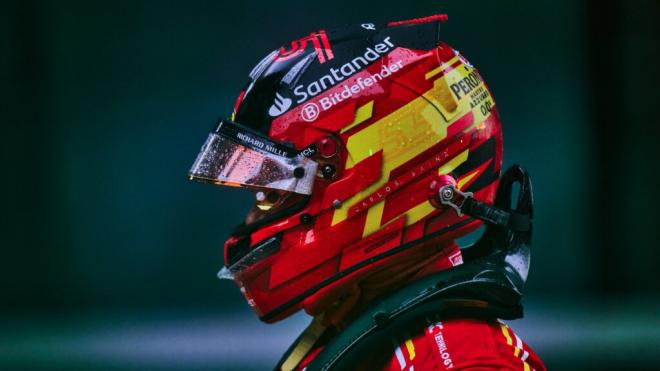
(336, 75)
(280, 105)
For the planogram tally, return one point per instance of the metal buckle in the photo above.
(453, 197)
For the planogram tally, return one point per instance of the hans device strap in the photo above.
(488, 286)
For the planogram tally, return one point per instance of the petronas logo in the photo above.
(280, 105)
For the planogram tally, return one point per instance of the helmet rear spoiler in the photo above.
(431, 18)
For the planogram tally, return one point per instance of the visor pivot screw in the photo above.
(299, 172)
(336, 204)
(260, 196)
(327, 147)
(306, 219)
(328, 171)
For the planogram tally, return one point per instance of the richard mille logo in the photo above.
(280, 105)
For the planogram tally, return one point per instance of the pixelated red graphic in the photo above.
(318, 39)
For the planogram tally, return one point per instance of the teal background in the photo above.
(109, 254)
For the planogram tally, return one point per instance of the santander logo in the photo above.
(280, 105)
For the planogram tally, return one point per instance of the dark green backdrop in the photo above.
(105, 105)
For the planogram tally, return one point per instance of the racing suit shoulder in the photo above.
(463, 344)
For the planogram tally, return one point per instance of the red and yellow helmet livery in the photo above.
(368, 117)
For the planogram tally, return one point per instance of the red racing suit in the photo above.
(457, 344)
(464, 344)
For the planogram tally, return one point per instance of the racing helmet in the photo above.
(343, 137)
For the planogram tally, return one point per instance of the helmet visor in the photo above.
(236, 156)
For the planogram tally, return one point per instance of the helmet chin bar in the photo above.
(507, 238)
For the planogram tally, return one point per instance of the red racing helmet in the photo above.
(343, 137)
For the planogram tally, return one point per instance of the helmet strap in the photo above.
(304, 344)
